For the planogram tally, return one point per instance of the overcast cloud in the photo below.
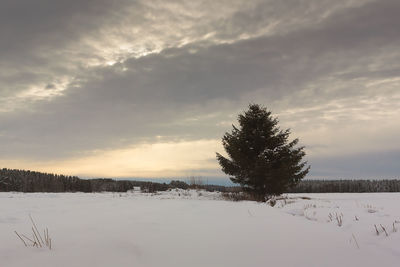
(80, 81)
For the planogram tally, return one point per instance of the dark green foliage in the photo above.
(30, 181)
(110, 185)
(346, 186)
(151, 187)
(178, 184)
(261, 159)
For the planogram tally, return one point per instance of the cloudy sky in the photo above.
(147, 88)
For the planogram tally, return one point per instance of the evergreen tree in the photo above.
(261, 159)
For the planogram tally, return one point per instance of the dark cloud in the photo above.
(36, 39)
(45, 25)
(313, 54)
(44, 39)
(374, 165)
(50, 86)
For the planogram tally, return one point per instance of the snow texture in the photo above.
(197, 228)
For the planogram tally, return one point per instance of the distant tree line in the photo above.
(345, 186)
(31, 181)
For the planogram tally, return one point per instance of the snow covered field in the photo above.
(181, 228)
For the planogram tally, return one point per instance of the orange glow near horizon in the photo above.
(180, 159)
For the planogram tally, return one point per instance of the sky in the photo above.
(145, 88)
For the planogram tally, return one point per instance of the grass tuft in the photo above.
(36, 240)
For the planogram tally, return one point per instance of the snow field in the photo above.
(191, 228)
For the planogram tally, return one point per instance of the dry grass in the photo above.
(384, 229)
(238, 196)
(376, 230)
(337, 217)
(355, 240)
(310, 206)
(37, 240)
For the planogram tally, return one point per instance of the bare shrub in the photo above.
(271, 202)
(196, 182)
(238, 196)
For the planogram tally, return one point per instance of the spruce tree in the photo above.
(261, 158)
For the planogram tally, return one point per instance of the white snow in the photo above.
(197, 228)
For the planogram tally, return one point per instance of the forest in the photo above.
(32, 181)
(346, 186)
